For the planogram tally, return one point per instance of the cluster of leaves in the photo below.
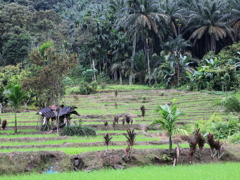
(229, 104)
(220, 128)
(235, 138)
(218, 71)
(85, 88)
(78, 131)
(121, 38)
(15, 50)
(48, 70)
(168, 121)
(89, 74)
(107, 139)
(131, 136)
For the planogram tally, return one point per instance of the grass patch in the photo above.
(78, 150)
(82, 140)
(228, 171)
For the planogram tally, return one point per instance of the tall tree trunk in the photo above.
(115, 75)
(133, 54)
(15, 113)
(149, 73)
(213, 43)
(170, 144)
(120, 77)
(94, 75)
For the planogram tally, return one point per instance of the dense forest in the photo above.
(48, 44)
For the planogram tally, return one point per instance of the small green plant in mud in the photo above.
(107, 139)
(131, 137)
(144, 98)
(167, 158)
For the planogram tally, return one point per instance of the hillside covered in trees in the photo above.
(48, 44)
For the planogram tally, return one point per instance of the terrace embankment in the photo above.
(28, 162)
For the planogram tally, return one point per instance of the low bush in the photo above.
(78, 131)
(229, 104)
(85, 88)
(220, 128)
(235, 139)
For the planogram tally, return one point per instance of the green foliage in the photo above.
(44, 47)
(188, 127)
(88, 74)
(68, 81)
(15, 50)
(103, 79)
(15, 97)
(48, 70)
(218, 71)
(218, 126)
(85, 88)
(222, 130)
(94, 86)
(219, 78)
(76, 72)
(169, 117)
(235, 139)
(229, 104)
(78, 131)
(228, 55)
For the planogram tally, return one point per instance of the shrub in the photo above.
(219, 127)
(205, 125)
(85, 89)
(94, 86)
(229, 104)
(68, 81)
(89, 74)
(235, 139)
(78, 131)
(222, 130)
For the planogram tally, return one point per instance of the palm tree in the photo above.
(178, 64)
(176, 14)
(143, 16)
(120, 47)
(15, 97)
(119, 68)
(170, 115)
(235, 15)
(207, 23)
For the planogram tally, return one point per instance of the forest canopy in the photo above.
(165, 43)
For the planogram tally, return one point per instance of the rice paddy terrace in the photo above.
(98, 108)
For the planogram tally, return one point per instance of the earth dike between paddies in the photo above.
(42, 161)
